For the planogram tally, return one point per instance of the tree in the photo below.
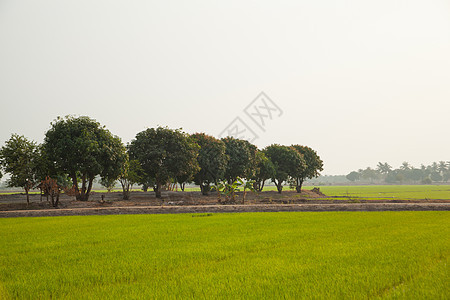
(369, 174)
(353, 176)
(405, 166)
(384, 168)
(164, 154)
(83, 149)
(436, 176)
(442, 168)
(250, 172)
(18, 158)
(131, 173)
(240, 158)
(183, 179)
(286, 161)
(264, 170)
(212, 161)
(146, 181)
(108, 183)
(416, 175)
(313, 165)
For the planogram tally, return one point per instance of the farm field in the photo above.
(403, 192)
(250, 255)
(377, 191)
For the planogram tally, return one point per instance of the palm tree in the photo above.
(384, 168)
(442, 166)
(434, 167)
(405, 166)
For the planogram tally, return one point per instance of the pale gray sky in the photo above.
(359, 81)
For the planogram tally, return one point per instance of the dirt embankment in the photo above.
(194, 202)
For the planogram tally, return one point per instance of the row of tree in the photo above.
(77, 150)
(406, 173)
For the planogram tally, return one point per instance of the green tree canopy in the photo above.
(353, 176)
(241, 156)
(264, 170)
(18, 158)
(211, 159)
(164, 154)
(83, 149)
(312, 167)
(286, 161)
(131, 173)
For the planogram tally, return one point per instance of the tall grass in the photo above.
(251, 255)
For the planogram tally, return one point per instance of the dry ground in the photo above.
(194, 202)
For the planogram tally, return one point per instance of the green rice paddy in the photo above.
(338, 255)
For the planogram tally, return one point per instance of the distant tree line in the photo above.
(406, 173)
(76, 150)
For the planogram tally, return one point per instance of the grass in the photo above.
(250, 255)
(390, 191)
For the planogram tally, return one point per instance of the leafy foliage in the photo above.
(18, 158)
(82, 149)
(287, 163)
(311, 167)
(229, 189)
(212, 161)
(131, 173)
(405, 173)
(353, 176)
(241, 155)
(264, 170)
(164, 154)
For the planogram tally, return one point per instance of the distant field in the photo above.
(250, 255)
(390, 191)
(365, 191)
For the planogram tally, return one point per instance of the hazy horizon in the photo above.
(358, 81)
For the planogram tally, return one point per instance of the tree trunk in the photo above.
(75, 187)
(126, 195)
(205, 189)
(157, 190)
(279, 186)
(57, 199)
(83, 188)
(28, 196)
(298, 188)
(88, 192)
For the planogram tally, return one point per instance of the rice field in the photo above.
(390, 191)
(249, 255)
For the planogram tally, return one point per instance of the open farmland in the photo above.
(403, 192)
(399, 192)
(257, 255)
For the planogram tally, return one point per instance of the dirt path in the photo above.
(227, 209)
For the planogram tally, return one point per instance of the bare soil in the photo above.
(194, 202)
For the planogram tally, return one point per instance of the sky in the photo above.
(358, 81)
